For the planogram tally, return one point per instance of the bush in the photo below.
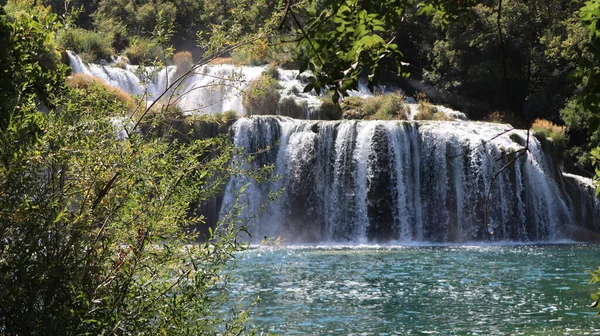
(547, 129)
(391, 106)
(271, 71)
(221, 60)
(91, 46)
(495, 117)
(86, 82)
(379, 107)
(144, 50)
(329, 110)
(121, 64)
(183, 61)
(262, 96)
(253, 54)
(425, 111)
(262, 52)
(441, 116)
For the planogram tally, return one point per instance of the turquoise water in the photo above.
(478, 290)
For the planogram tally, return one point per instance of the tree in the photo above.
(97, 220)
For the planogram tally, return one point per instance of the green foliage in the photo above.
(143, 50)
(99, 222)
(329, 110)
(30, 62)
(595, 278)
(546, 129)
(343, 39)
(101, 240)
(541, 43)
(91, 46)
(425, 111)
(379, 107)
(272, 72)
(262, 96)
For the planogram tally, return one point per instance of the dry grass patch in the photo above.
(85, 82)
(548, 129)
(221, 60)
(183, 61)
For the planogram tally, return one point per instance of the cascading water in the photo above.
(371, 181)
(366, 181)
(209, 89)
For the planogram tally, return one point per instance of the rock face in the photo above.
(379, 181)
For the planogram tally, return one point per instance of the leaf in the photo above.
(303, 67)
(308, 87)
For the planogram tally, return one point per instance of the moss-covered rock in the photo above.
(261, 96)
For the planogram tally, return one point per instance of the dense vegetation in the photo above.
(96, 225)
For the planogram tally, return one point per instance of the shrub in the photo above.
(271, 71)
(262, 52)
(86, 82)
(91, 46)
(143, 50)
(221, 60)
(112, 246)
(262, 96)
(495, 117)
(547, 129)
(253, 54)
(425, 111)
(230, 115)
(379, 107)
(183, 61)
(121, 64)
(441, 116)
(329, 110)
(391, 106)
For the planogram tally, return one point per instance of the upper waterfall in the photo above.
(360, 181)
(208, 89)
(211, 89)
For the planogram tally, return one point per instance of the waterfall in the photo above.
(209, 89)
(370, 181)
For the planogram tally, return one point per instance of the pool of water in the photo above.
(448, 290)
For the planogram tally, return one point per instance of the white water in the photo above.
(216, 88)
(376, 181)
(398, 181)
(209, 89)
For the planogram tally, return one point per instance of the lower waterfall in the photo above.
(379, 181)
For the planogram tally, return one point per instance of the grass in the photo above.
(380, 107)
(495, 117)
(425, 111)
(548, 129)
(183, 61)
(85, 82)
(221, 60)
(329, 110)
